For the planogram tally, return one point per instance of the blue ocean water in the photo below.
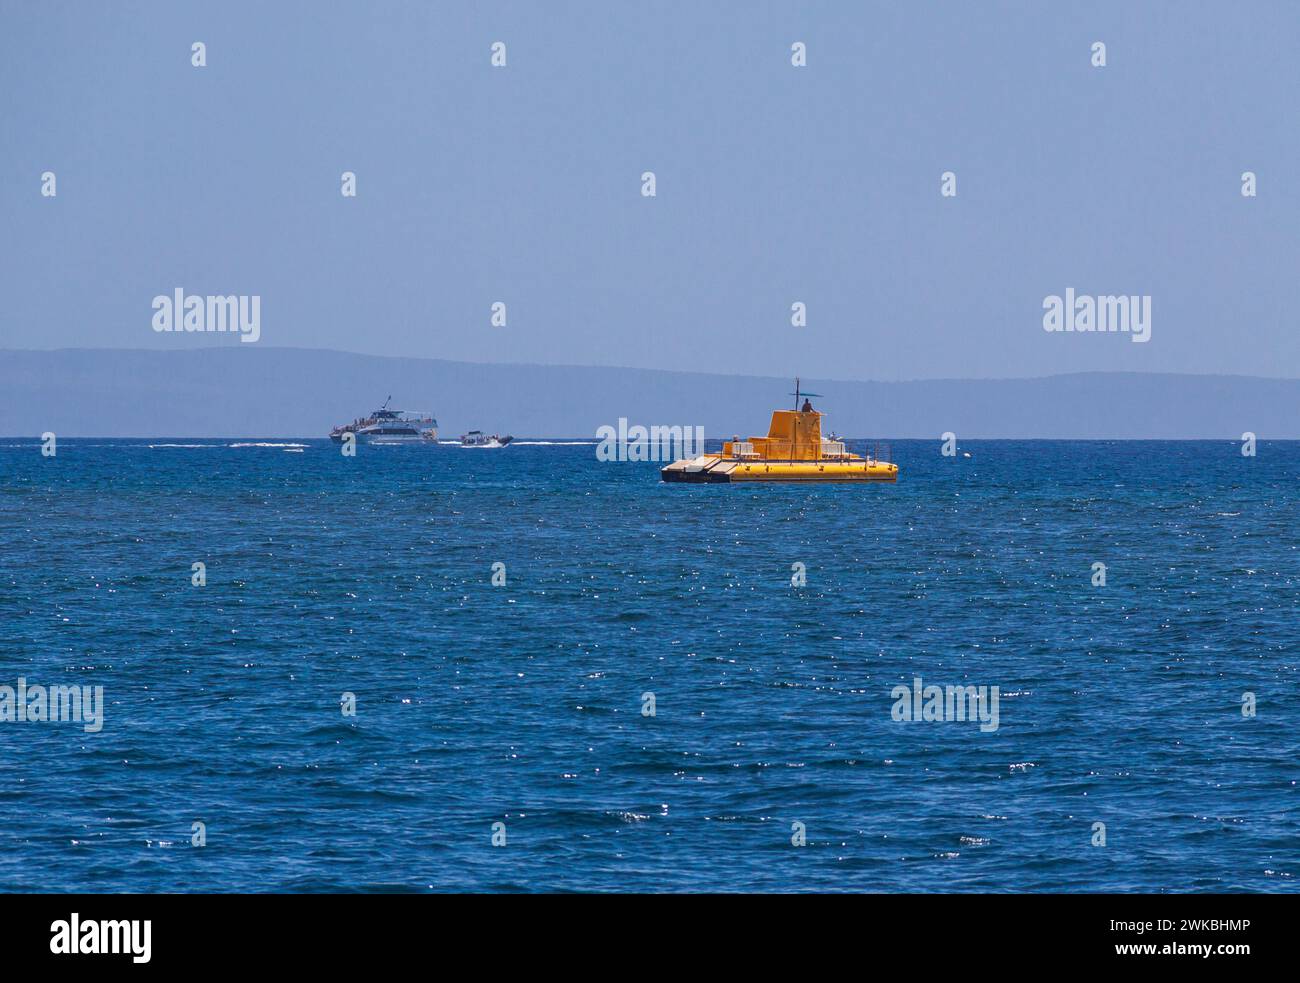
(522, 704)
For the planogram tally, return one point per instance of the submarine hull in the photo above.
(717, 470)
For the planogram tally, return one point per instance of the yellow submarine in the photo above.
(793, 450)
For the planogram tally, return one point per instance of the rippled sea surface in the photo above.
(523, 704)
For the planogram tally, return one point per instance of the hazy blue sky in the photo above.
(775, 184)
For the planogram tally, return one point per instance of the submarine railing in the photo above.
(779, 450)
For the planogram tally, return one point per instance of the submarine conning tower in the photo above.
(793, 435)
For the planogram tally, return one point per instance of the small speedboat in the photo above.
(477, 438)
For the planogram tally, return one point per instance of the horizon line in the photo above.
(580, 441)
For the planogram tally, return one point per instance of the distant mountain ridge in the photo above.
(256, 391)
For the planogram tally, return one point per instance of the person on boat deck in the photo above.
(807, 406)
